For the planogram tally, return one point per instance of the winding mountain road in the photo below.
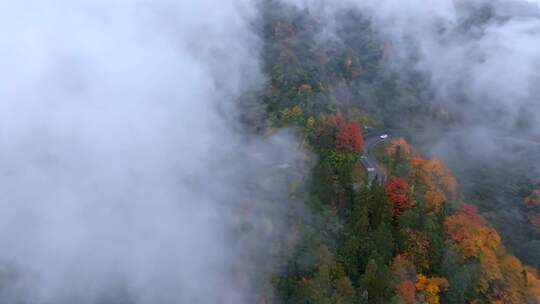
(375, 171)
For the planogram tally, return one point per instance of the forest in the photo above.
(414, 238)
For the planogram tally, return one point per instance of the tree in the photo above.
(320, 287)
(325, 130)
(417, 248)
(343, 134)
(406, 291)
(404, 273)
(398, 193)
(379, 206)
(348, 137)
(399, 149)
(514, 287)
(334, 131)
(384, 242)
(533, 200)
(294, 114)
(499, 272)
(344, 290)
(436, 178)
(435, 199)
(350, 255)
(472, 237)
(533, 282)
(431, 287)
(357, 137)
(402, 269)
(375, 283)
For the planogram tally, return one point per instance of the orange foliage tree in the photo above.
(502, 275)
(533, 282)
(474, 239)
(437, 180)
(431, 288)
(463, 227)
(398, 193)
(400, 145)
(514, 289)
(441, 185)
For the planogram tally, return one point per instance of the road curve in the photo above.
(375, 171)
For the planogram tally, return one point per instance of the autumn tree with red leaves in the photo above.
(406, 290)
(357, 140)
(533, 200)
(348, 136)
(398, 193)
(345, 136)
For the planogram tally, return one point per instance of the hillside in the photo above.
(411, 239)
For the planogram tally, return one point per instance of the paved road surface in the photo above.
(368, 161)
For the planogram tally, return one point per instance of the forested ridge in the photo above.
(413, 238)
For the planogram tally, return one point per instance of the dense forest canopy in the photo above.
(413, 239)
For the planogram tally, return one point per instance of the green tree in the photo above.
(374, 284)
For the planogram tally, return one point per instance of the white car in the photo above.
(284, 166)
(384, 136)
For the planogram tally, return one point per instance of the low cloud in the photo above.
(123, 174)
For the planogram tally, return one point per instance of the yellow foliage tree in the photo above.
(310, 122)
(292, 114)
(431, 288)
(417, 245)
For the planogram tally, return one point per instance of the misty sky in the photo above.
(485, 73)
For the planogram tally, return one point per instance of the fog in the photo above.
(480, 61)
(481, 57)
(121, 165)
